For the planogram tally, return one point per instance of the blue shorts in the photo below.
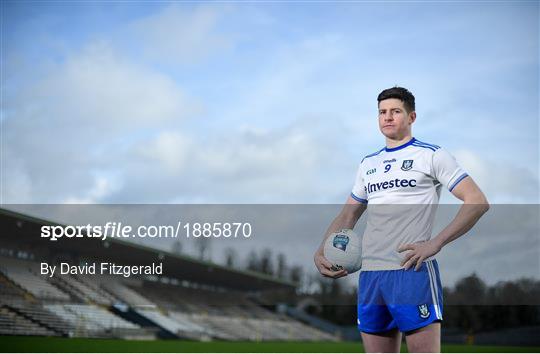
(403, 299)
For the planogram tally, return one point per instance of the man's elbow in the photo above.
(480, 202)
(484, 206)
(484, 203)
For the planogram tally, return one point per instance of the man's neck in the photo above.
(392, 143)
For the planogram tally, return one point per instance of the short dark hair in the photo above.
(400, 93)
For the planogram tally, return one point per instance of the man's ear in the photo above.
(412, 117)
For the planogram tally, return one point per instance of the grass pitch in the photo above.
(78, 345)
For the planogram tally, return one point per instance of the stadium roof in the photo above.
(23, 232)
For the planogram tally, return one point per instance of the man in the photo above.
(399, 286)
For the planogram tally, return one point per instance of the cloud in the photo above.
(282, 118)
(65, 130)
(169, 150)
(16, 183)
(101, 188)
(177, 34)
(239, 166)
(502, 182)
(102, 128)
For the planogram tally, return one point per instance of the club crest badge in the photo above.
(341, 242)
(423, 311)
(407, 165)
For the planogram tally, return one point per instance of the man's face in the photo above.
(394, 121)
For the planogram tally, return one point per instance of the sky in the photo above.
(257, 102)
(231, 102)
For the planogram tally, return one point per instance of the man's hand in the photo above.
(325, 267)
(419, 252)
(346, 219)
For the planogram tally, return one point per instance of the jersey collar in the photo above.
(387, 149)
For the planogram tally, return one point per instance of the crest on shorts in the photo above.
(341, 242)
(407, 165)
(423, 311)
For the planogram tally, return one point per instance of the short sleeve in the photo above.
(446, 169)
(359, 191)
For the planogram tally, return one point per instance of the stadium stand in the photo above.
(191, 326)
(194, 300)
(23, 273)
(127, 295)
(82, 290)
(12, 323)
(9, 290)
(92, 320)
(166, 322)
(42, 317)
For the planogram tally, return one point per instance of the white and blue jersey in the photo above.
(401, 187)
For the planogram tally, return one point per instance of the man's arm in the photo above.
(346, 219)
(474, 206)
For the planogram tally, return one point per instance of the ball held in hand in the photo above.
(344, 250)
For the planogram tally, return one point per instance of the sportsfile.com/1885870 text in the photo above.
(120, 230)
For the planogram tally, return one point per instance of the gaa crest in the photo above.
(423, 311)
(341, 242)
(407, 165)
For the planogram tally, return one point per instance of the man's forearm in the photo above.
(467, 216)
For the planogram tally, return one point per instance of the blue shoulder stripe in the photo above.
(358, 199)
(424, 146)
(457, 181)
(428, 144)
(371, 155)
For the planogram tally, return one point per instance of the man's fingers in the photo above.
(340, 274)
(332, 274)
(407, 257)
(411, 261)
(419, 263)
(325, 271)
(326, 268)
(403, 248)
(324, 262)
